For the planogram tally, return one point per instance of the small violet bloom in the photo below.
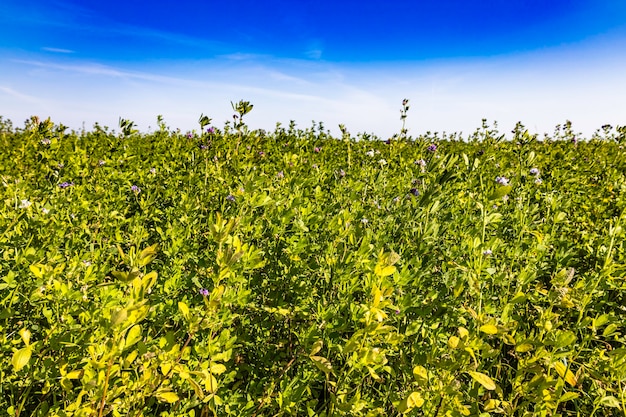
(230, 197)
(317, 149)
(211, 130)
(414, 191)
(101, 163)
(280, 174)
(420, 162)
(432, 147)
(342, 173)
(66, 184)
(135, 189)
(204, 292)
(534, 171)
(487, 252)
(45, 210)
(153, 170)
(502, 180)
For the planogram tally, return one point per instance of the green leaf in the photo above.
(383, 271)
(21, 357)
(317, 346)
(167, 396)
(36, 270)
(413, 400)
(118, 317)
(184, 309)
(568, 396)
(610, 401)
(322, 364)
(133, 336)
(217, 369)
(489, 329)
(421, 374)
(483, 380)
(500, 192)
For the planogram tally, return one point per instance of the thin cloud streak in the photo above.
(58, 50)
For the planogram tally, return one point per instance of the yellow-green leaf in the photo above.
(610, 401)
(21, 357)
(421, 374)
(568, 396)
(383, 271)
(210, 384)
(414, 400)
(184, 309)
(489, 329)
(454, 342)
(483, 380)
(25, 333)
(217, 368)
(133, 336)
(565, 373)
(167, 396)
(317, 346)
(36, 271)
(523, 347)
(322, 364)
(119, 316)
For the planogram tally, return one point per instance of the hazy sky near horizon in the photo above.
(349, 62)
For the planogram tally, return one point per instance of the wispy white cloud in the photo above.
(58, 50)
(26, 98)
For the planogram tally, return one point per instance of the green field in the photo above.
(237, 272)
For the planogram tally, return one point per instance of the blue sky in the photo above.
(347, 62)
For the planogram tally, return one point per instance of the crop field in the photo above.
(237, 272)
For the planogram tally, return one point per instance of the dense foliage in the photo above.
(246, 273)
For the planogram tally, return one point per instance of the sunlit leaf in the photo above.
(21, 357)
(483, 380)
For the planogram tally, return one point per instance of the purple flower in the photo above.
(342, 173)
(135, 189)
(280, 174)
(153, 170)
(502, 180)
(204, 292)
(487, 252)
(534, 171)
(65, 184)
(204, 147)
(432, 147)
(261, 153)
(189, 135)
(420, 162)
(101, 162)
(230, 197)
(316, 149)
(415, 192)
(210, 130)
